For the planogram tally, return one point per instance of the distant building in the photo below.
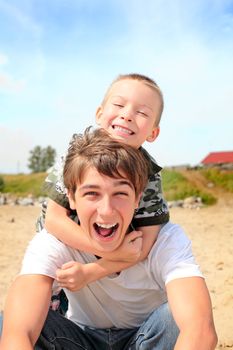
(218, 159)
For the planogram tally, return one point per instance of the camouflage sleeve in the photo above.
(153, 209)
(54, 185)
(55, 190)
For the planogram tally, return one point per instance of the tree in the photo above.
(41, 159)
(48, 158)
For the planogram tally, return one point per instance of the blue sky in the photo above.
(57, 57)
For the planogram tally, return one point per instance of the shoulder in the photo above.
(171, 241)
(171, 256)
(173, 234)
(46, 240)
(44, 254)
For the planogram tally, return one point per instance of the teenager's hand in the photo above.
(130, 249)
(72, 276)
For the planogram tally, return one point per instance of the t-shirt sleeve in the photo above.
(44, 255)
(172, 257)
(153, 209)
(55, 189)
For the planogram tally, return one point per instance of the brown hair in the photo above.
(95, 148)
(145, 80)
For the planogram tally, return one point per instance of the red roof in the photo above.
(218, 158)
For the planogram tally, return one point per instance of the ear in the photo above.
(71, 200)
(98, 115)
(137, 200)
(154, 134)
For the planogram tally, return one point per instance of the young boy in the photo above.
(130, 111)
(159, 303)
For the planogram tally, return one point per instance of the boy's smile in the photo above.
(121, 130)
(105, 207)
(129, 112)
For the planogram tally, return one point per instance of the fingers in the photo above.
(66, 270)
(71, 276)
(68, 265)
(133, 235)
(137, 244)
(67, 283)
(71, 284)
(63, 275)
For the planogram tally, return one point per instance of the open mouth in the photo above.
(105, 231)
(122, 130)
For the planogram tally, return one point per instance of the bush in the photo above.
(23, 185)
(176, 186)
(2, 184)
(222, 178)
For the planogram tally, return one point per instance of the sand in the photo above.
(211, 231)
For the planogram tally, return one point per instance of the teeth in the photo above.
(106, 225)
(126, 131)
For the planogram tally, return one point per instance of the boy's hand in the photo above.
(72, 276)
(130, 249)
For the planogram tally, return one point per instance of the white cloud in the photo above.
(3, 59)
(10, 84)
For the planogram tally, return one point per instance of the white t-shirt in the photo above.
(124, 300)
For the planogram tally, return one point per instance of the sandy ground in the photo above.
(211, 231)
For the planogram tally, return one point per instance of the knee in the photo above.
(159, 331)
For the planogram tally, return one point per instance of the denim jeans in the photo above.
(158, 332)
(1, 320)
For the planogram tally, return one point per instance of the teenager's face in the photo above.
(129, 112)
(105, 208)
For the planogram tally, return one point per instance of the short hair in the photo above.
(95, 148)
(145, 80)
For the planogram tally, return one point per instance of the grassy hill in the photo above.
(209, 184)
(177, 184)
(23, 185)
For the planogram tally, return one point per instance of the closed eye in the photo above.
(142, 113)
(125, 194)
(117, 105)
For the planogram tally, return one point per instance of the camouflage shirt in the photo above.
(152, 209)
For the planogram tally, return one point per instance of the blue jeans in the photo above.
(1, 320)
(158, 332)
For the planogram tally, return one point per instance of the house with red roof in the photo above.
(218, 158)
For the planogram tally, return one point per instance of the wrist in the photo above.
(90, 272)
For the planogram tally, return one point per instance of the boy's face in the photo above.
(105, 208)
(129, 112)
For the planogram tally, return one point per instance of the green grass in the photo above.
(23, 185)
(176, 187)
(221, 178)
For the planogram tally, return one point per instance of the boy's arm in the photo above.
(25, 311)
(191, 308)
(150, 234)
(74, 275)
(58, 223)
